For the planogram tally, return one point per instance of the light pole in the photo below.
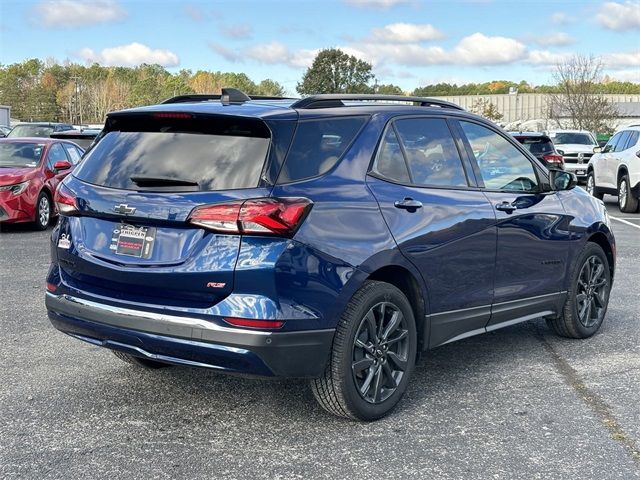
(76, 92)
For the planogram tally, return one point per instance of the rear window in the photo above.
(317, 146)
(536, 145)
(223, 154)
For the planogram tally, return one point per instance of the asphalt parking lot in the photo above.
(516, 403)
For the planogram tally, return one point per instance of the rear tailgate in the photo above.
(134, 191)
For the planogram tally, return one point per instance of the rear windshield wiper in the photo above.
(143, 181)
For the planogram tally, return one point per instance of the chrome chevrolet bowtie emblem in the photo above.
(124, 209)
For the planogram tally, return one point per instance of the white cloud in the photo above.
(76, 13)
(478, 49)
(561, 18)
(620, 16)
(130, 55)
(406, 33)
(626, 75)
(557, 39)
(544, 57)
(237, 32)
(380, 4)
(274, 53)
(230, 54)
(622, 59)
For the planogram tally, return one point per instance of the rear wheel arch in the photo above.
(407, 283)
(602, 240)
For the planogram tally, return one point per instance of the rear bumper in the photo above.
(192, 341)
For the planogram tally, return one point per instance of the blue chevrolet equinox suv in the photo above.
(334, 237)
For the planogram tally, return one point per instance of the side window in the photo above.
(390, 162)
(56, 154)
(611, 144)
(318, 145)
(72, 152)
(431, 153)
(633, 139)
(622, 141)
(502, 166)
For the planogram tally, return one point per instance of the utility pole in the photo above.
(76, 92)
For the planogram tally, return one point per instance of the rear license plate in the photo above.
(133, 241)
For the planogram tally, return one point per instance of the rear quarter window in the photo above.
(318, 145)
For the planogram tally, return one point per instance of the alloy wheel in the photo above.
(44, 211)
(622, 193)
(380, 352)
(592, 291)
(590, 185)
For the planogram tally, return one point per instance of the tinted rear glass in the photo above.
(31, 131)
(537, 146)
(318, 145)
(230, 155)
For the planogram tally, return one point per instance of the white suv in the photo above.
(615, 169)
(576, 146)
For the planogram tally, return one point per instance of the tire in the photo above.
(43, 212)
(591, 186)
(627, 203)
(582, 317)
(138, 361)
(358, 382)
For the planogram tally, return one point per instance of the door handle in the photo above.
(408, 204)
(506, 207)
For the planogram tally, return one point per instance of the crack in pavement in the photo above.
(595, 403)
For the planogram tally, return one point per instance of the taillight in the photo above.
(251, 323)
(553, 158)
(65, 201)
(172, 115)
(260, 216)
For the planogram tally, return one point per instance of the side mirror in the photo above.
(597, 149)
(61, 165)
(562, 180)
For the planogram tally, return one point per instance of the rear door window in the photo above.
(431, 153)
(219, 153)
(318, 145)
(536, 145)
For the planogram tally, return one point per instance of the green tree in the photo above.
(334, 71)
(271, 88)
(486, 109)
(389, 89)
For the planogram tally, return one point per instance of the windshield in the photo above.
(20, 154)
(31, 131)
(575, 138)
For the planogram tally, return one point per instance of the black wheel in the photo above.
(591, 186)
(588, 296)
(43, 212)
(138, 361)
(373, 355)
(627, 203)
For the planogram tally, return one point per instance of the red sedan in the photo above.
(30, 171)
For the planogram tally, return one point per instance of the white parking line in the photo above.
(624, 221)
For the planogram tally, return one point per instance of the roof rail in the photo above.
(228, 96)
(336, 100)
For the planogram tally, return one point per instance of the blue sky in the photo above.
(409, 42)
